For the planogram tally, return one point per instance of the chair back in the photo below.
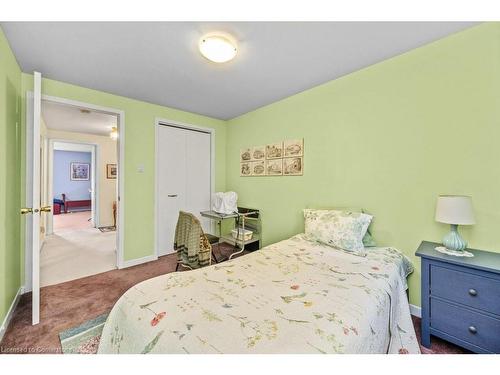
(190, 243)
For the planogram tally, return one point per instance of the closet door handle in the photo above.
(172, 195)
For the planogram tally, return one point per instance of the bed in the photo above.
(295, 296)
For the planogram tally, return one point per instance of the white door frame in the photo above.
(94, 150)
(176, 124)
(120, 186)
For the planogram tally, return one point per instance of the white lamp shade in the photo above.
(455, 209)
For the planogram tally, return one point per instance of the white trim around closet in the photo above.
(166, 122)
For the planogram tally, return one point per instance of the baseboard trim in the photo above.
(416, 311)
(136, 262)
(10, 313)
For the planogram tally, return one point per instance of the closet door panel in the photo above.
(198, 181)
(172, 179)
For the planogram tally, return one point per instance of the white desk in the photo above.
(241, 218)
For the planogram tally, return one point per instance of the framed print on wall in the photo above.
(274, 150)
(285, 158)
(258, 168)
(111, 171)
(79, 171)
(245, 169)
(293, 166)
(259, 153)
(293, 147)
(274, 167)
(245, 155)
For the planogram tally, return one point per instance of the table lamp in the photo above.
(454, 210)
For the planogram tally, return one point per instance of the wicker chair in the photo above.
(192, 245)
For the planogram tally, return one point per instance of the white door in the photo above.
(33, 209)
(183, 180)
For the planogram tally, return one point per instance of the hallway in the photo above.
(76, 251)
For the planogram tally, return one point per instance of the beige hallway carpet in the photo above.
(72, 221)
(73, 254)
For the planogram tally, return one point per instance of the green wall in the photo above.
(139, 149)
(388, 138)
(10, 174)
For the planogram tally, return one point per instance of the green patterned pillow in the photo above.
(368, 240)
(340, 229)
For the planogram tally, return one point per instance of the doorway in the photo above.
(79, 239)
(115, 213)
(184, 177)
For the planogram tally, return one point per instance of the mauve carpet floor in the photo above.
(74, 302)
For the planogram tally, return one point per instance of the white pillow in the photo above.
(340, 229)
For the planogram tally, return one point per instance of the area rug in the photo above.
(107, 229)
(83, 339)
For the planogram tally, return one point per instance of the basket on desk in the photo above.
(242, 234)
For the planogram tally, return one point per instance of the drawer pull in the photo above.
(473, 292)
(472, 330)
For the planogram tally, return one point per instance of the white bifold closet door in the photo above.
(184, 180)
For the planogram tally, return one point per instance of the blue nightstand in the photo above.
(461, 298)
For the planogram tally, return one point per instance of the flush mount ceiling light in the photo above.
(218, 48)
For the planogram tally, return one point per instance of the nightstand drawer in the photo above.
(466, 325)
(465, 288)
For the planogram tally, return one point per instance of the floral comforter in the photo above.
(295, 296)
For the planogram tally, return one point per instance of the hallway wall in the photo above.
(63, 184)
(106, 154)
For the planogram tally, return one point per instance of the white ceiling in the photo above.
(71, 119)
(158, 62)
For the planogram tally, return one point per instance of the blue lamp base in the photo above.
(453, 240)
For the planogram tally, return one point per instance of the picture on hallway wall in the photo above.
(79, 171)
(111, 171)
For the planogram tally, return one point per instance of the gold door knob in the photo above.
(26, 210)
(45, 209)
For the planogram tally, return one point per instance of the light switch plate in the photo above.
(140, 168)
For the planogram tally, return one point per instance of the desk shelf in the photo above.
(230, 240)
